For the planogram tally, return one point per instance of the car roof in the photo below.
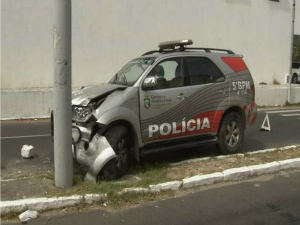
(159, 55)
(179, 47)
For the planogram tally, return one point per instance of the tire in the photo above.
(119, 139)
(294, 79)
(231, 134)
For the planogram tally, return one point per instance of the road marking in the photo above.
(284, 111)
(30, 136)
(295, 114)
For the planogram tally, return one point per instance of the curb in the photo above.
(38, 204)
(234, 174)
(200, 180)
(173, 185)
(134, 191)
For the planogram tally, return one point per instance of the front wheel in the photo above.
(119, 139)
(231, 134)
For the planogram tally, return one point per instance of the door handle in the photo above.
(181, 96)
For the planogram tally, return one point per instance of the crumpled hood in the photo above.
(85, 95)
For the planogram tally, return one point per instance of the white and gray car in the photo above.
(175, 97)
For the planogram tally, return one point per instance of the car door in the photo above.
(208, 91)
(163, 108)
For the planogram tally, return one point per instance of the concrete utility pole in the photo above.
(292, 47)
(63, 160)
(293, 31)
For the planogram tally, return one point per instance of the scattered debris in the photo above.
(27, 215)
(27, 151)
(47, 160)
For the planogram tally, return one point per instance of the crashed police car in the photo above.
(175, 97)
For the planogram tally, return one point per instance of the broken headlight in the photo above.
(82, 113)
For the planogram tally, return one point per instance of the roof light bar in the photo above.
(173, 44)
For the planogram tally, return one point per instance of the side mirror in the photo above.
(150, 82)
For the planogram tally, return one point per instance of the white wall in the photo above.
(26, 44)
(109, 33)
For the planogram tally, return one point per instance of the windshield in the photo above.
(131, 72)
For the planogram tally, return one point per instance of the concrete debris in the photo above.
(47, 160)
(27, 215)
(27, 151)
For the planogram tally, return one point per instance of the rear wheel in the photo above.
(119, 139)
(231, 134)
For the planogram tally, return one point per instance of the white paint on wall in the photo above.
(109, 33)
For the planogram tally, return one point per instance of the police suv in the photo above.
(171, 98)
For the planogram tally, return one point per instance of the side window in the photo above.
(168, 73)
(202, 71)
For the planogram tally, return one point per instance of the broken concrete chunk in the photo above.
(27, 215)
(27, 151)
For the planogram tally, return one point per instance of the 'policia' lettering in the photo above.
(190, 125)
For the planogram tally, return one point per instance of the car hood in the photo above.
(86, 95)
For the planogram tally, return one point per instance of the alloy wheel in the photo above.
(232, 134)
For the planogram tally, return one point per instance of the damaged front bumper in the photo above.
(91, 152)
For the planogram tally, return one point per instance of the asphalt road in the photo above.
(285, 131)
(265, 200)
(16, 134)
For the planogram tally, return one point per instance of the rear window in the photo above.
(202, 71)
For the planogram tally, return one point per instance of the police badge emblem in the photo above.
(147, 102)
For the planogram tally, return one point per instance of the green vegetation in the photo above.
(296, 50)
(148, 173)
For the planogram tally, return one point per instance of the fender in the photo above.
(95, 157)
(122, 113)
